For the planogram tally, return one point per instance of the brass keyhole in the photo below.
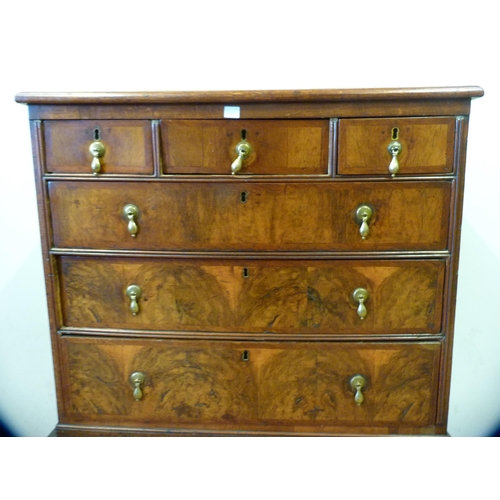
(243, 196)
(97, 134)
(395, 133)
(243, 135)
(245, 272)
(245, 356)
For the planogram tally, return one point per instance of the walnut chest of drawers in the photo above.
(251, 263)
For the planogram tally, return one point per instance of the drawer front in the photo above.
(255, 217)
(426, 145)
(304, 296)
(127, 146)
(228, 384)
(287, 147)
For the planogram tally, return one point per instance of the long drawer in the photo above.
(288, 296)
(272, 216)
(229, 384)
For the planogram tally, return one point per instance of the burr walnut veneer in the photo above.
(251, 263)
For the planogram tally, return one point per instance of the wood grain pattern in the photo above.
(280, 384)
(277, 216)
(289, 147)
(98, 373)
(278, 297)
(314, 385)
(427, 145)
(128, 146)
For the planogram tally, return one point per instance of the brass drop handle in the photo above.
(363, 215)
(360, 296)
(358, 383)
(131, 212)
(243, 149)
(134, 293)
(394, 148)
(97, 150)
(137, 380)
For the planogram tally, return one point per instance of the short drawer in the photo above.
(417, 145)
(98, 147)
(238, 385)
(286, 147)
(258, 296)
(273, 216)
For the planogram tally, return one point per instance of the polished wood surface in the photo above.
(246, 323)
(128, 146)
(257, 296)
(428, 145)
(265, 96)
(254, 110)
(280, 385)
(281, 216)
(278, 147)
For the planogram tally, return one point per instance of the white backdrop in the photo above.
(111, 46)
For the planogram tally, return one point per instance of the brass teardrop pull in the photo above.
(360, 295)
(363, 215)
(97, 150)
(358, 383)
(243, 149)
(134, 293)
(137, 380)
(131, 212)
(394, 149)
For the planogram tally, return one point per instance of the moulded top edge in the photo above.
(254, 96)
